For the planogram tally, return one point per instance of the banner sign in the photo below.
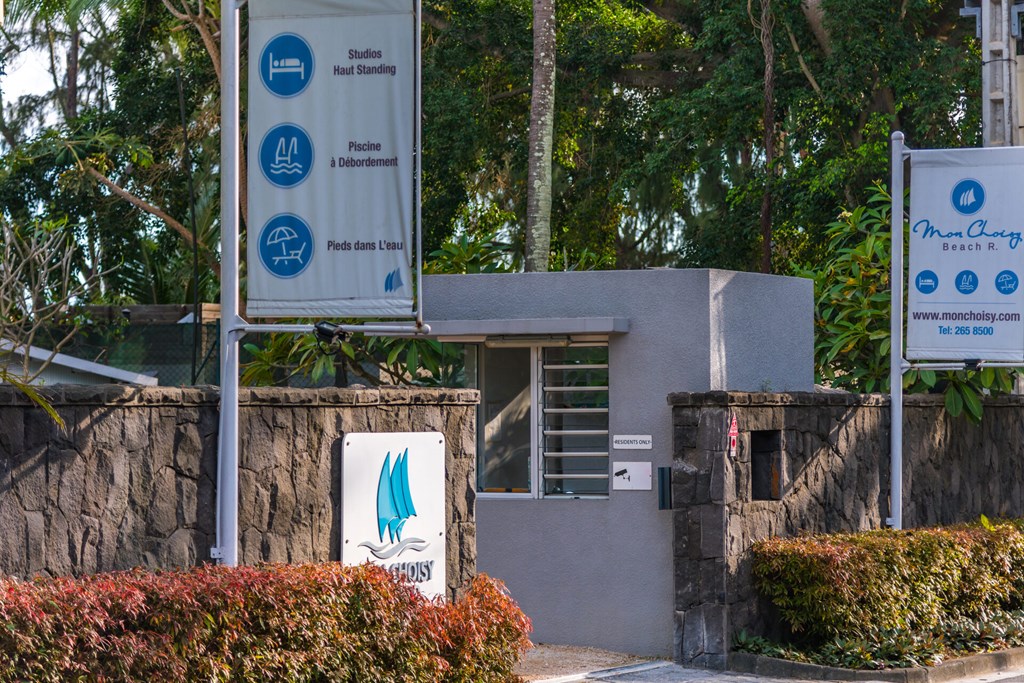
(331, 129)
(964, 299)
(393, 505)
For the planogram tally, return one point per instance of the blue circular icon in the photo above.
(286, 155)
(968, 196)
(926, 282)
(1007, 282)
(286, 245)
(286, 65)
(966, 282)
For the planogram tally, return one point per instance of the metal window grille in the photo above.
(573, 401)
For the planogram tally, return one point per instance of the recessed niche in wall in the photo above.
(766, 470)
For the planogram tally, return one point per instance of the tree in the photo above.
(853, 297)
(542, 119)
(74, 17)
(845, 76)
(38, 290)
(124, 194)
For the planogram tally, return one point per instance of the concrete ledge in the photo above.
(972, 666)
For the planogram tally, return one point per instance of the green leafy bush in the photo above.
(856, 585)
(853, 301)
(321, 622)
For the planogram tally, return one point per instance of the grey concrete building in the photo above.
(574, 370)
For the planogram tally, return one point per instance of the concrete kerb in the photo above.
(607, 673)
(974, 665)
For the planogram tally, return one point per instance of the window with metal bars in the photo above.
(573, 404)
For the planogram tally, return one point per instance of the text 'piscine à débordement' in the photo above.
(360, 69)
(357, 146)
(379, 245)
(978, 230)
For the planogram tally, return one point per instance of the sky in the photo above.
(26, 73)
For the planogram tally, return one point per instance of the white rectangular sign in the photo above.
(631, 476)
(331, 127)
(964, 299)
(393, 505)
(632, 442)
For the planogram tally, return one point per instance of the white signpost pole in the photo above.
(227, 463)
(895, 519)
(373, 209)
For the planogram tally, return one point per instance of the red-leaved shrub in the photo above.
(315, 622)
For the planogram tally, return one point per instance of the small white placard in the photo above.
(392, 505)
(631, 476)
(633, 442)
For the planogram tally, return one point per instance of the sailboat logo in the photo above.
(394, 508)
(393, 281)
(968, 196)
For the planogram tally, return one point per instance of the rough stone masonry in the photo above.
(132, 481)
(815, 462)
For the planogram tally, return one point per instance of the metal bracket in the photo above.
(972, 8)
(216, 553)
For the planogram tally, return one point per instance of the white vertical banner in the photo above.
(331, 124)
(393, 505)
(964, 295)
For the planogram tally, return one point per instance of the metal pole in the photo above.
(418, 109)
(227, 462)
(895, 519)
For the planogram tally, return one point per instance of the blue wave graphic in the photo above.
(385, 551)
(286, 168)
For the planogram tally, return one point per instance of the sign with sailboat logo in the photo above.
(393, 505)
(966, 244)
(332, 135)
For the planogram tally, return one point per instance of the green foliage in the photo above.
(484, 253)
(274, 622)
(853, 298)
(852, 295)
(859, 585)
(280, 357)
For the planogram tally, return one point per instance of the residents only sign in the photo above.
(330, 160)
(964, 299)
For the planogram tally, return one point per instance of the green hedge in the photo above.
(323, 622)
(847, 584)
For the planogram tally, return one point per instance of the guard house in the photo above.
(574, 370)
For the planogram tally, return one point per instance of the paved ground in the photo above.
(568, 664)
(663, 672)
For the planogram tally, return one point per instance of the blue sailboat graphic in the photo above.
(394, 508)
(394, 500)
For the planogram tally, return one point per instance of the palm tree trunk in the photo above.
(767, 23)
(542, 120)
(74, 36)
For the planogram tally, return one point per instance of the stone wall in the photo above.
(132, 480)
(808, 462)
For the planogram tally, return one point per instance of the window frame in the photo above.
(537, 424)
